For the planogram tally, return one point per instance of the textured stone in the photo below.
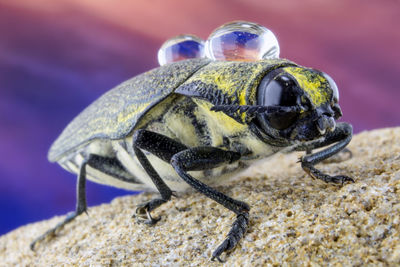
(294, 219)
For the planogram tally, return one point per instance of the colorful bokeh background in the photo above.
(56, 57)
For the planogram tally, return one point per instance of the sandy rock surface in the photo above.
(294, 220)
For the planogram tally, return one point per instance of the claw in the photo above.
(341, 179)
(53, 231)
(345, 179)
(144, 216)
(221, 248)
(239, 228)
(49, 234)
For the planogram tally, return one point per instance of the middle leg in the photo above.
(203, 158)
(164, 148)
(185, 159)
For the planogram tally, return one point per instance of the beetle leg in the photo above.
(183, 160)
(339, 157)
(343, 155)
(327, 140)
(202, 158)
(164, 148)
(111, 166)
(81, 207)
(341, 136)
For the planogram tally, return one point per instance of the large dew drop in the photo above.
(242, 41)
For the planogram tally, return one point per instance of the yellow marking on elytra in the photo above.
(314, 85)
(131, 111)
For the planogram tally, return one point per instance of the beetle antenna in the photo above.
(254, 110)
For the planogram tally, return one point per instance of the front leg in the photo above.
(341, 136)
(203, 158)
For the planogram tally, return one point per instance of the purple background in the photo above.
(56, 57)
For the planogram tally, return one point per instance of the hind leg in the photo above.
(81, 207)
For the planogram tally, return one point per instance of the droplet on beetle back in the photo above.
(242, 41)
(179, 48)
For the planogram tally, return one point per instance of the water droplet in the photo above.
(242, 41)
(179, 48)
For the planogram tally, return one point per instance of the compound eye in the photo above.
(332, 84)
(278, 91)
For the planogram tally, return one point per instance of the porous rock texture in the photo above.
(294, 220)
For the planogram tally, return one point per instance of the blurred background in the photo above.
(56, 57)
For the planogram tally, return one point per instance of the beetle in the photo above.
(195, 123)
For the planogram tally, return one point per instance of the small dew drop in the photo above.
(181, 47)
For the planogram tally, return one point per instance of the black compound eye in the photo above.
(280, 90)
(332, 84)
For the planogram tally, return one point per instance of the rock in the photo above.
(294, 219)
